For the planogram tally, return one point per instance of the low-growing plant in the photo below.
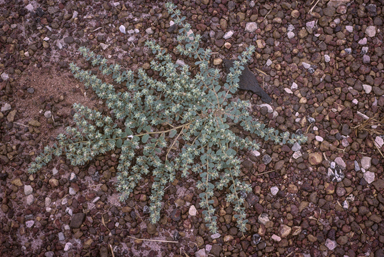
(195, 112)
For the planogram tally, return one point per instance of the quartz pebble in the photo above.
(379, 141)
(366, 162)
(192, 210)
(369, 177)
(274, 190)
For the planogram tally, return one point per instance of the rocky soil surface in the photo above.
(322, 64)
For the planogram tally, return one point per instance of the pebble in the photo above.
(29, 7)
(370, 31)
(201, 253)
(330, 244)
(276, 238)
(363, 41)
(61, 236)
(306, 65)
(68, 246)
(315, 158)
(6, 107)
(294, 86)
(31, 90)
(28, 189)
(192, 210)
(274, 190)
(287, 90)
(269, 62)
(215, 236)
(4, 76)
(267, 159)
(367, 88)
(122, 29)
(319, 138)
(340, 162)
(180, 62)
(104, 46)
(349, 28)
(366, 58)
(255, 153)
(228, 34)
(251, 27)
(149, 31)
(48, 114)
(369, 177)
(263, 218)
(30, 199)
(366, 162)
(296, 147)
(290, 35)
(297, 155)
(284, 230)
(379, 141)
(29, 223)
(72, 191)
(327, 58)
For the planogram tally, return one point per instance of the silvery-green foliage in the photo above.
(195, 109)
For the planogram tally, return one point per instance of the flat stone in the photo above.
(363, 41)
(379, 141)
(263, 218)
(228, 35)
(330, 244)
(28, 189)
(17, 182)
(274, 190)
(370, 31)
(30, 199)
(276, 238)
(6, 107)
(61, 236)
(367, 88)
(340, 162)
(369, 177)
(379, 184)
(68, 246)
(315, 158)
(284, 230)
(192, 210)
(349, 28)
(251, 27)
(366, 162)
(77, 220)
(201, 253)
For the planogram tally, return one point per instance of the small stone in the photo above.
(215, 236)
(263, 218)
(315, 158)
(363, 41)
(327, 58)
(228, 35)
(367, 88)
(201, 253)
(370, 31)
(319, 138)
(69, 40)
(306, 65)
(61, 236)
(251, 27)
(6, 107)
(266, 159)
(296, 147)
(104, 46)
(217, 61)
(379, 184)
(290, 34)
(149, 31)
(28, 189)
(4, 76)
(366, 162)
(30, 199)
(72, 191)
(77, 220)
(29, 223)
(330, 244)
(284, 230)
(276, 238)
(180, 62)
(122, 29)
(34, 123)
(349, 28)
(379, 141)
(274, 190)
(369, 177)
(17, 182)
(48, 114)
(192, 210)
(68, 246)
(339, 161)
(289, 91)
(269, 62)
(29, 7)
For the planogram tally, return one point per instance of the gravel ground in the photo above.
(322, 64)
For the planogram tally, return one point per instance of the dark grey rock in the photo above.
(77, 220)
(248, 81)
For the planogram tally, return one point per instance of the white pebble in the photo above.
(379, 141)
(367, 88)
(192, 210)
(274, 190)
(228, 34)
(122, 29)
(369, 177)
(289, 91)
(319, 139)
(294, 86)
